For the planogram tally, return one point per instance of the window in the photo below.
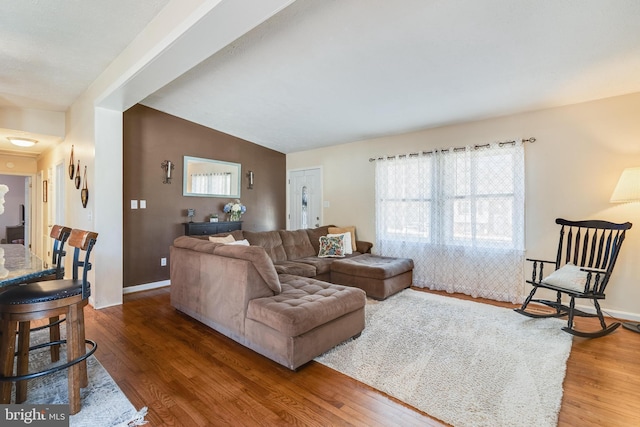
(463, 207)
(211, 183)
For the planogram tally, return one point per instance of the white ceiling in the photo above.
(51, 51)
(325, 72)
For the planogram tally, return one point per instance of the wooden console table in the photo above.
(205, 228)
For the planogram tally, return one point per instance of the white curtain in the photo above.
(459, 214)
(211, 183)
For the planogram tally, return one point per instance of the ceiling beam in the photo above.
(208, 28)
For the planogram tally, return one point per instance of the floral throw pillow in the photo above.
(346, 244)
(331, 247)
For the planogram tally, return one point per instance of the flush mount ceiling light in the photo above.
(22, 142)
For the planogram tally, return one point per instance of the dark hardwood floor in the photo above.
(189, 375)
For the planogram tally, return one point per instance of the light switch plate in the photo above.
(143, 204)
(134, 204)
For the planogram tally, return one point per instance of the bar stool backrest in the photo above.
(82, 241)
(59, 234)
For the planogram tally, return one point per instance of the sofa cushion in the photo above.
(373, 266)
(305, 304)
(296, 244)
(322, 265)
(270, 241)
(295, 268)
(258, 258)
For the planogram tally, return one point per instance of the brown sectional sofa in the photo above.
(273, 296)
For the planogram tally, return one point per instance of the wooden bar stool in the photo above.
(22, 304)
(59, 234)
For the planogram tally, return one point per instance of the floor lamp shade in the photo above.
(628, 188)
(627, 191)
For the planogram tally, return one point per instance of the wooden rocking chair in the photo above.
(587, 253)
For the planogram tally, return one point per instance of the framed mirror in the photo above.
(210, 178)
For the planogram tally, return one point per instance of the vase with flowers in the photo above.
(235, 210)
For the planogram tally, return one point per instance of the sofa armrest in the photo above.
(363, 247)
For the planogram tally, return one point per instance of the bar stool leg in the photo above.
(54, 335)
(82, 349)
(7, 352)
(72, 352)
(23, 360)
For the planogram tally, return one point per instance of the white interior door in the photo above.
(305, 198)
(38, 221)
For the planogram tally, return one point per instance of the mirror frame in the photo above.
(185, 176)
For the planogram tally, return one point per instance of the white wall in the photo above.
(79, 125)
(571, 171)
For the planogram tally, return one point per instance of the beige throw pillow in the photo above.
(568, 277)
(351, 229)
(225, 239)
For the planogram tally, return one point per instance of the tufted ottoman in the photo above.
(307, 318)
(378, 276)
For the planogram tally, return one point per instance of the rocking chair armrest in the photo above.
(593, 270)
(595, 284)
(537, 272)
(540, 260)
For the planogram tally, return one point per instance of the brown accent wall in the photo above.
(151, 137)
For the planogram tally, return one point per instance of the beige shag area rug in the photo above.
(103, 404)
(465, 363)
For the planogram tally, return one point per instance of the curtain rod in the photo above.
(475, 147)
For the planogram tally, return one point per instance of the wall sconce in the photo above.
(250, 177)
(167, 166)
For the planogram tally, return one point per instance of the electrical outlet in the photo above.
(163, 262)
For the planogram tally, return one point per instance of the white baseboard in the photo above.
(146, 286)
(622, 315)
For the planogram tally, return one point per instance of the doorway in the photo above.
(16, 204)
(305, 198)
